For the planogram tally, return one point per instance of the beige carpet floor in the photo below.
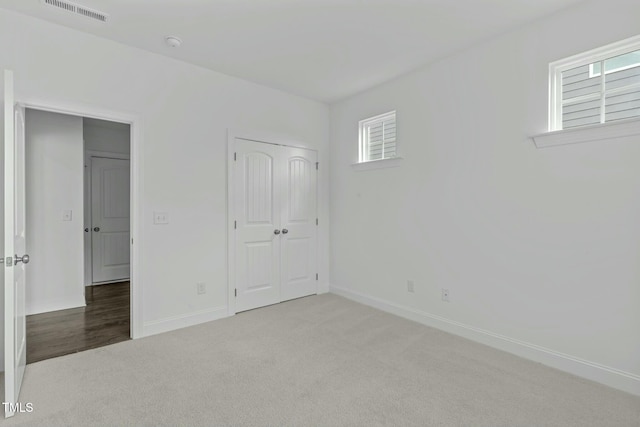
(316, 361)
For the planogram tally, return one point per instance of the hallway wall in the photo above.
(54, 186)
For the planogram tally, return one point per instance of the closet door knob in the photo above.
(96, 229)
(276, 231)
(285, 231)
(23, 259)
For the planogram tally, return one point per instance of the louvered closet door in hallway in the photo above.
(275, 215)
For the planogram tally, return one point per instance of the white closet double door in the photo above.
(276, 223)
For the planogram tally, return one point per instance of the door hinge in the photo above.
(317, 165)
(236, 292)
(316, 221)
(132, 241)
(316, 276)
(235, 156)
(235, 225)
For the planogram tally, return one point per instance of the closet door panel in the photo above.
(299, 229)
(258, 211)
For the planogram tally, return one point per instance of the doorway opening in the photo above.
(78, 219)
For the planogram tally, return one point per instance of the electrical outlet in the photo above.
(160, 218)
(202, 288)
(445, 295)
(410, 286)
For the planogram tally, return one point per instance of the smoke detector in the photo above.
(77, 9)
(173, 41)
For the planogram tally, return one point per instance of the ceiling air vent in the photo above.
(77, 9)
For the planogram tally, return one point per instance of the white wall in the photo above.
(54, 183)
(106, 136)
(185, 112)
(538, 247)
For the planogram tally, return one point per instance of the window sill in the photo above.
(588, 133)
(377, 164)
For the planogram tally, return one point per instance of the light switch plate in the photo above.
(160, 218)
(67, 215)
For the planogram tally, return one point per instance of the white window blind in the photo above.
(378, 137)
(584, 95)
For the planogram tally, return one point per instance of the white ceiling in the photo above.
(321, 49)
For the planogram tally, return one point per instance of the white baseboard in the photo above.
(323, 288)
(54, 305)
(176, 322)
(109, 282)
(607, 375)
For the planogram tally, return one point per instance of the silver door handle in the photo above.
(276, 231)
(23, 259)
(96, 229)
(285, 231)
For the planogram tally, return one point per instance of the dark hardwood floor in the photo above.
(104, 321)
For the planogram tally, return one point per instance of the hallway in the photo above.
(105, 320)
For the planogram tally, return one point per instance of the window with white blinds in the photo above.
(600, 86)
(378, 137)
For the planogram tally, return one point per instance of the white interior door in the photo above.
(110, 219)
(15, 338)
(257, 207)
(299, 227)
(275, 219)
